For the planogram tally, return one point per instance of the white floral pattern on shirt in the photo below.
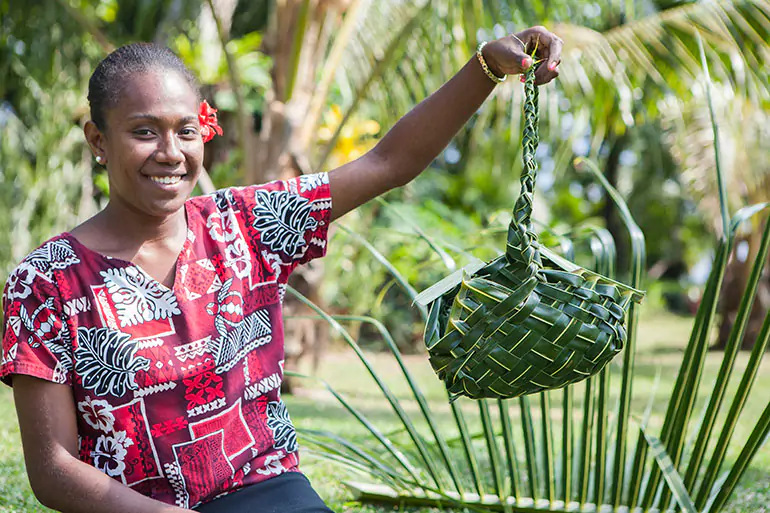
(110, 453)
(223, 226)
(279, 422)
(272, 465)
(312, 182)
(137, 297)
(106, 361)
(97, 414)
(19, 281)
(282, 219)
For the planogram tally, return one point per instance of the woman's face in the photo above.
(152, 143)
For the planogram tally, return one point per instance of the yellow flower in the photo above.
(355, 138)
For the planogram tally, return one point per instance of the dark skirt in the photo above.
(286, 493)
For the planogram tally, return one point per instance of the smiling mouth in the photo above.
(166, 180)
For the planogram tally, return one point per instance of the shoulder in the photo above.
(310, 187)
(56, 253)
(33, 283)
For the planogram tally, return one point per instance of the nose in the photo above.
(169, 150)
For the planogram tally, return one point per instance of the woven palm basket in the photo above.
(529, 320)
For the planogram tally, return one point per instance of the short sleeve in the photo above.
(289, 218)
(36, 339)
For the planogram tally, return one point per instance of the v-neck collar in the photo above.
(128, 263)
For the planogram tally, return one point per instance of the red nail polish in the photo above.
(551, 66)
(526, 62)
(521, 79)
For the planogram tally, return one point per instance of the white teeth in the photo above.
(166, 180)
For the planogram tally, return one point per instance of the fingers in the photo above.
(520, 53)
(554, 51)
(543, 75)
(516, 59)
(549, 48)
(511, 55)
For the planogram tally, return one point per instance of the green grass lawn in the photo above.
(661, 343)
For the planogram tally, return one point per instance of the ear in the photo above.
(96, 141)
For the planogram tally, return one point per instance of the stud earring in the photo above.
(99, 159)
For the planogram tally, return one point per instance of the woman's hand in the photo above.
(512, 54)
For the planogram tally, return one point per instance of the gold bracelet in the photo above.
(494, 78)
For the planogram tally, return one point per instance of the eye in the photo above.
(189, 132)
(143, 132)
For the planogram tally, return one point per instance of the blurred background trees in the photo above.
(305, 85)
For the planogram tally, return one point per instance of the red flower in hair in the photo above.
(208, 120)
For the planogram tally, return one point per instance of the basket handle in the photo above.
(522, 240)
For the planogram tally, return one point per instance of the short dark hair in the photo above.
(110, 75)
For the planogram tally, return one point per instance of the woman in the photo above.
(145, 347)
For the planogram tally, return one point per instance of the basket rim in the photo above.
(449, 282)
(566, 265)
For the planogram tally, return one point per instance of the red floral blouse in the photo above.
(176, 390)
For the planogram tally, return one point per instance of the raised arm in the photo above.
(418, 137)
(59, 479)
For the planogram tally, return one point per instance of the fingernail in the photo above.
(551, 66)
(526, 62)
(522, 79)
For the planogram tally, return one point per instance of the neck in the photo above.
(135, 229)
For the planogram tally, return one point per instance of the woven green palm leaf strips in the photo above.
(529, 320)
